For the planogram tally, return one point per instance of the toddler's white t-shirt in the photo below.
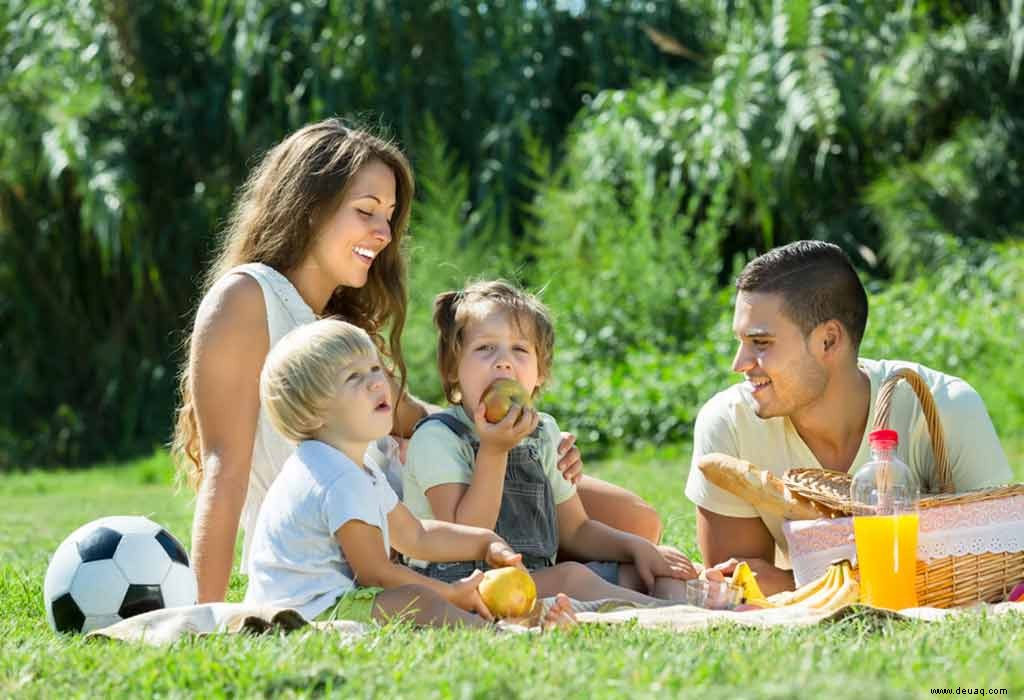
(295, 561)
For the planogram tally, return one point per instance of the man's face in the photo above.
(782, 374)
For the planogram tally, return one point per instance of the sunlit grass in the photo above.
(852, 659)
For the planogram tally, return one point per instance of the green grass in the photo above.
(851, 659)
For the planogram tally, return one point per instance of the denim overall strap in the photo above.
(451, 422)
(527, 519)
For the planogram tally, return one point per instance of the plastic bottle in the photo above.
(885, 494)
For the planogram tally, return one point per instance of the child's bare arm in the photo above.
(435, 540)
(586, 539)
(479, 503)
(363, 546)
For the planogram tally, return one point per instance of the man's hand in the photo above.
(570, 461)
(464, 594)
(770, 578)
(502, 436)
(499, 554)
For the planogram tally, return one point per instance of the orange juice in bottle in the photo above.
(885, 524)
(887, 554)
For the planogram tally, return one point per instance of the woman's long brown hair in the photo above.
(297, 185)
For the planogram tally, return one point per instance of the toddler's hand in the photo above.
(509, 431)
(464, 594)
(499, 554)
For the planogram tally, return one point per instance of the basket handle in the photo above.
(883, 406)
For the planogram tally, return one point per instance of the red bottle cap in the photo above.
(883, 437)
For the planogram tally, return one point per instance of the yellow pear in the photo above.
(500, 396)
(508, 592)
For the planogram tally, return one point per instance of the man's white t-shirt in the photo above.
(729, 424)
(295, 561)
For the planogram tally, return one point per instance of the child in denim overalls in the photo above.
(463, 469)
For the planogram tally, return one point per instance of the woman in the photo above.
(316, 231)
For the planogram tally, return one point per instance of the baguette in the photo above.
(758, 487)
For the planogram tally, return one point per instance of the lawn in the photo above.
(855, 658)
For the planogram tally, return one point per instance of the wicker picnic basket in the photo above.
(948, 581)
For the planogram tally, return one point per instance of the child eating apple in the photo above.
(490, 459)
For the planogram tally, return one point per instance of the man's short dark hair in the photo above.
(817, 283)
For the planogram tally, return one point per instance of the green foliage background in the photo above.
(626, 171)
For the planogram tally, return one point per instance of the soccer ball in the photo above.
(113, 568)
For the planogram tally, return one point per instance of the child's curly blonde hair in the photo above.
(454, 309)
(300, 374)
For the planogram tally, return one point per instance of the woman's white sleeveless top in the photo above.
(286, 310)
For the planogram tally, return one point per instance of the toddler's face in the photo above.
(361, 409)
(496, 347)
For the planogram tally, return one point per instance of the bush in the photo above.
(449, 241)
(713, 131)
(125, 128)
(963, 317)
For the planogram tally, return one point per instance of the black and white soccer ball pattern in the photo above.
(113, 568)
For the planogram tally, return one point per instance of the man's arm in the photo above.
(975, 454)
(725, 541)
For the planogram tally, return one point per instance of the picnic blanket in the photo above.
(682, 618)
(161, 627)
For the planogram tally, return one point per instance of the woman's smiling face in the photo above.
(352, 236)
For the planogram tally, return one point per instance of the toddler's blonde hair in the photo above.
(300, 374)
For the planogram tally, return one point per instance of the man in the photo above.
(808, 400)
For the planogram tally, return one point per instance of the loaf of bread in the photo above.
(758, 487)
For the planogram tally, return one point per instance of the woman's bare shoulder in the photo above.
(233, 309)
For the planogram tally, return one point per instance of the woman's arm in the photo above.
(409, 410)
(619, 508)
(589, 539)
(230, 342)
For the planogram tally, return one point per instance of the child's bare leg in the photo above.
(560, 613)
(668, 588)
(629, 578)
(665, 587)
(579, 582)
(423, 607)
